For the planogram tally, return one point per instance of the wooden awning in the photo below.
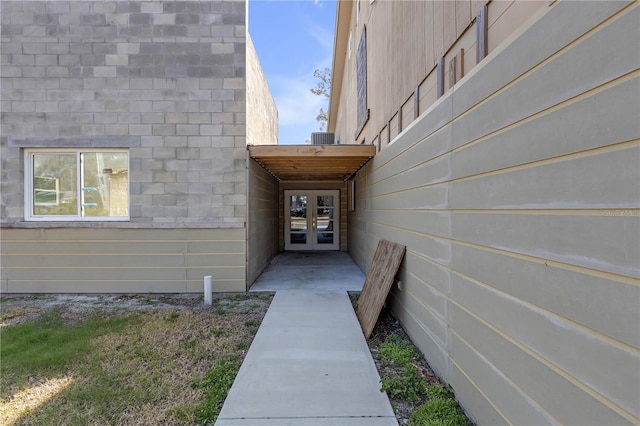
(312, 162)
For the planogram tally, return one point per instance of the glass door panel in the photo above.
(324, 219)
(298, 219)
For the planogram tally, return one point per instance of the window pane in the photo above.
(55, 184)
(105, 184)
(298, 238)
(361, 83)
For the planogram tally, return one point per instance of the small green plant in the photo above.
(441, 409)
(394, 351)
(408, 386)
(402, 380)
(147, 300)
(219, 332)
(215, 386)
(189, 344)
(241, 296)
(438, 392)
(251, 323)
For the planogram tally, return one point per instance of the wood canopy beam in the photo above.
(312, 162)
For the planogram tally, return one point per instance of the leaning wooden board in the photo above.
(384, 268)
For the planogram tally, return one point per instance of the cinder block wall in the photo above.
(262, 113)
(516, 195)
(165, 79)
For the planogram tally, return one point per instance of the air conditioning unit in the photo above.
(322, 138)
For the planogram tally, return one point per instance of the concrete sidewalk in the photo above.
(309, 365)
(325, 271)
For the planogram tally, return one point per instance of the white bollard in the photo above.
(207, 290)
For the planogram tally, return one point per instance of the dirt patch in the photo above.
(21, 309)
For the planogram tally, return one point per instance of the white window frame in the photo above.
(29, 180)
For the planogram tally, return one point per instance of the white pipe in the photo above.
(207, 290)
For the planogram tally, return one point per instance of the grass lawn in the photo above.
(153, 361)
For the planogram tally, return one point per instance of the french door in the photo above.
(312, 220)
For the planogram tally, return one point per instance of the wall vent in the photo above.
(322, 138)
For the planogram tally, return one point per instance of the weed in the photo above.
(219, 332)
(394, 351)
(172, 317)
(403, 381)
(221, 310)
(241, 296)
(408, 386)
(440, 410)
(189, 344)
(242, 345)
(438, 392)
(147, 300)
(251, 323)
(183, 414)
(215, 385)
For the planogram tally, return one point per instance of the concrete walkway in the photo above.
(323, 271)
(308, 365)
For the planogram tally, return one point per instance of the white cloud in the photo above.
(296, 104)
(297, 107)
(323, 36)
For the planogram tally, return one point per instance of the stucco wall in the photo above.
(165, 79)
(262, 114)
(516, 194)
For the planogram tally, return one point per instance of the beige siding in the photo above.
(262, 228)
(517, 197)
(405, 41)
(121, 260)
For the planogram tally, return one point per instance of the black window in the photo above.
(361, 82)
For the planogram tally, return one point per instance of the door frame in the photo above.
(311, 242)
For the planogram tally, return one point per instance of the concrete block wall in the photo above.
(165, 79)
(262, 113)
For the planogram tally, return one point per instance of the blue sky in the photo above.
(293, 38)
